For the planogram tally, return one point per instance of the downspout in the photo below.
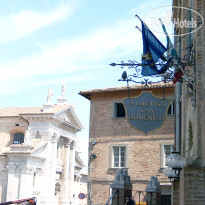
(178, 116)
(178, 105)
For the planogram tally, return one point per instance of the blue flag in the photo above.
(153, 50)
(171, 52)
(173, 56)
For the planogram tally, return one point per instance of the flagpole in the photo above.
(138, 29)
(138, 17)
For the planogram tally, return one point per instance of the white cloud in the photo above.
(82, 53)
(21, 24)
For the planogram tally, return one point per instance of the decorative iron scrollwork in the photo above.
(185, 64)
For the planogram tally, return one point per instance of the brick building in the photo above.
(190, 189)
(114, 143)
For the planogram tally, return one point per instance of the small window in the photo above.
(119, 110)
(167, 150)
(18, 138)
(171, 109)
(118, 156)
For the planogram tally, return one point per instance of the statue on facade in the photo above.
(50, 95)
(62, 99)
(63, 91)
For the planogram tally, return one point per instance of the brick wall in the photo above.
(144, 152)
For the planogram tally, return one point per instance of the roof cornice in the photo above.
(87, 93)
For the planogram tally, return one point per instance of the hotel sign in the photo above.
(146, 112)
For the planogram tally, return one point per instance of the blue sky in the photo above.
(45, 43)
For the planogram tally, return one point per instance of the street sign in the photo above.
(146, 112)
(81, 196)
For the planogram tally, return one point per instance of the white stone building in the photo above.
(38, 156)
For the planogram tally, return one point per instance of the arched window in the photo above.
(18, 138)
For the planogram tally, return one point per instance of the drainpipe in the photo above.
(178, 116)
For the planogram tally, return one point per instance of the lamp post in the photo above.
(175, 163)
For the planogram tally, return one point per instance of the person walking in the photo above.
(129, 201)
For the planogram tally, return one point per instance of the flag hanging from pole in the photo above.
(153, 50)
(172, 54)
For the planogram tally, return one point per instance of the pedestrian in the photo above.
(129, 201)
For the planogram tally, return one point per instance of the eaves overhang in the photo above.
(87, 93)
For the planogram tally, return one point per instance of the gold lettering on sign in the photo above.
(131, 117)
(158, 104)
(164, 104)
(140, 117)
(154, 117)
(146, 110)
(147, 103)
(149, 117)
(146, 117)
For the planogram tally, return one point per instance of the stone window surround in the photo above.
(162, 158)
(111, 163)
(14, 131)
(171, 107)
(114, 109)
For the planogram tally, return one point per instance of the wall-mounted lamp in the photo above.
(171, 174)
(93, 142)
(175, 163)
(93, 156)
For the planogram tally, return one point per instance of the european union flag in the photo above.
(153, 50)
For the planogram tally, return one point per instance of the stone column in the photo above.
(37, 182)
(77, 179)
(71, 173)
(26, 181)
(153, 195)
(53, 158)
(10, 184)
(47, 189)
(121, 187)
(65, 198)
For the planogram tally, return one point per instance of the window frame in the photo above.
(172, 108)
(112, 156)
(163, 155)
(114, 109)
(15, 140)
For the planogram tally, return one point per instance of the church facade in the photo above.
(38, 155)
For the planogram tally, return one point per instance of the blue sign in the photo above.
(81, 196)
(146, 112)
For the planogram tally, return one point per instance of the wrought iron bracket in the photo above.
(177, 172)
(190, 75)
(186, 64)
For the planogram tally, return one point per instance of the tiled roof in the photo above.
(87, 93)
(16, 111)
